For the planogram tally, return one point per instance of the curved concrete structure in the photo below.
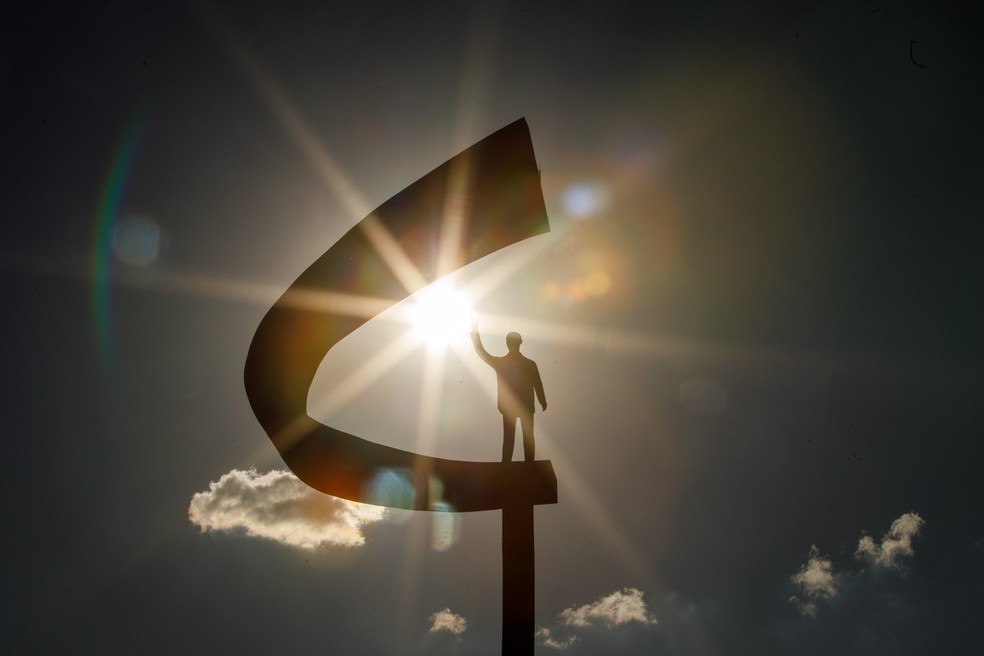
(504, 206)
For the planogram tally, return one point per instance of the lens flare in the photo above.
(586, 272)
(109, 209)
(138, 240)
(390, 487)
(584, 200)
(445, 527)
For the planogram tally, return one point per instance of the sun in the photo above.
(441, 316)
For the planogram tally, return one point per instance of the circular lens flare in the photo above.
(585, 200)
(441, 316)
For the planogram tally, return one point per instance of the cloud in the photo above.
(622, 607)
(547, 638)
(278, 506)
(445, 620)
(816, 581)
(619, 607)
(895, 545)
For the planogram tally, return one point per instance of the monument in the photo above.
(504, 205)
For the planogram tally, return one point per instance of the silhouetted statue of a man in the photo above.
(518, 379)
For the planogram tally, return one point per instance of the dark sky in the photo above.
(757, 317)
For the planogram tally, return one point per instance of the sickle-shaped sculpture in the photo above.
(504, 206)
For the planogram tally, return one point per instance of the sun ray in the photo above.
(394, 256)
(508, 265)
(478, 371)
(594, 512)
(430, 401)
(305, 138)
(575, 485)
(262, 294)
(456, 202)
(474, 93)
(660, 347)
(289, 118)
(618, 341)
(359, 380)
(473, 96)
(430, 398)
(476, 84)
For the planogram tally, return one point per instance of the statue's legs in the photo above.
(529, 443)
(508, 437)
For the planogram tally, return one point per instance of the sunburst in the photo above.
(437, 316)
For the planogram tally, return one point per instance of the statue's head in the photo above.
(513, 340)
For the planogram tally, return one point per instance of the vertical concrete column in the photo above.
(518, 579)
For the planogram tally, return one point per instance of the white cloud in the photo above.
(445, 620)
(547, 638)
(895, 545)
(278, 506)
(816, 581)
(617, 609)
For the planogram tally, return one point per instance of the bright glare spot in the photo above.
(441, 316)
(445, 527)
(137, 240)
(582, 200)
(392, 488)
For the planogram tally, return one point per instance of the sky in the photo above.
(756, 316)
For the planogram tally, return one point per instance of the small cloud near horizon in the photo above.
(620, 608)
(278, 506)
(817, 581)
(895, 545)
(446, 621)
